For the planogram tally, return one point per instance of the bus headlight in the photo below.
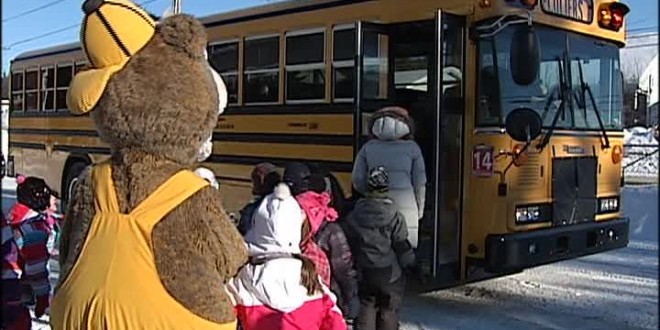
(608, 205)
(533, 213)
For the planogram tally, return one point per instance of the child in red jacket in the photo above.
(279, 288)
(28, 219)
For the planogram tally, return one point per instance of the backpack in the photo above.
(245, 221)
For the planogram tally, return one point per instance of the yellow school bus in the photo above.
(517, 105)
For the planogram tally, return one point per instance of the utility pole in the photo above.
(176, 6)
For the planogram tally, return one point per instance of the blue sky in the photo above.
(66, 13)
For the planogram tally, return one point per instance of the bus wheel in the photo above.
(71, 183)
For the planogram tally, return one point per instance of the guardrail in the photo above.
(641, 163)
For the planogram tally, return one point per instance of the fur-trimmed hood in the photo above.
(391, 123)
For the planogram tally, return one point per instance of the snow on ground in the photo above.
(643, 167)
(613, 290)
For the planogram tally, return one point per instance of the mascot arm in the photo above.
(77, 220)
(197, 250)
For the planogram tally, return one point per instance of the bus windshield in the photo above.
(586, 67)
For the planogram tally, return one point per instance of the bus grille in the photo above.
(574, 190)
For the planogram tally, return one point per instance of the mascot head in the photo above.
(149, 87)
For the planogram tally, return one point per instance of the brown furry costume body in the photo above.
(155, 114)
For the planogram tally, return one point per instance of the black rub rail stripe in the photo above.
(239, 160)
(282, 12)
(246, 160)
(288, 109)
(49, 114)
(37, 131)
(59, 147)
(336, 140)
(298, 109)
(113, 33)
(315, 139)
(231, 178)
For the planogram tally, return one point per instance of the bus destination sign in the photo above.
(577, 10)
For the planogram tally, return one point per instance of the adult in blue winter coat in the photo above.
(392, 147)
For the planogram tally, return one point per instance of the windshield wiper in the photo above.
(584, 87)
(564, 92)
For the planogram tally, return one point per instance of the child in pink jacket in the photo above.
(279, 288)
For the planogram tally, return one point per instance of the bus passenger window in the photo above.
(64, 75)
(47, 89)
(261, 69)
(305, 65)
(31, 90)
(343, 63)
(17, 91)
(223, 57)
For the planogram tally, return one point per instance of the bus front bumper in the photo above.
(517, 251)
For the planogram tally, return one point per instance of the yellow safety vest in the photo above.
(114, 283)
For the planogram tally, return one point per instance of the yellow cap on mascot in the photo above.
(112, 31)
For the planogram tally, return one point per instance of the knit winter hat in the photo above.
(277, 225)
(296, 176)
(33, 192)
(378, 180)
(264, 178)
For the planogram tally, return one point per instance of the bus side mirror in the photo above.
(523, 124)
(525, 59)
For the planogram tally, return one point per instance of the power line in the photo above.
(60, 30)
(41, 36)
(52, 3)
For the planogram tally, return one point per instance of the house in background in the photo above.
(646, 100)
(636, 59)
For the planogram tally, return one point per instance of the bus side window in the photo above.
(261, 70)
(64, 75)
(343, 63)
(17, 94)
(47, 89)
(305, 65)
(32, 90)
(223, 57)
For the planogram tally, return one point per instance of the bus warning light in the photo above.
(611, 14)
(617, 154)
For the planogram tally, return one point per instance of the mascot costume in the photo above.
(146, 244)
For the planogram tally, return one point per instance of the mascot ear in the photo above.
(185, 33)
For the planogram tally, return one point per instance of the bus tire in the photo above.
(71, 182)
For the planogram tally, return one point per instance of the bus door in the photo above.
(449, 102)
(397, 65)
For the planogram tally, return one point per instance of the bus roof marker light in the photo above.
(611, 15)
(617, 154)
(530, 4)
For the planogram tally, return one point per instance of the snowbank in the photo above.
(642, 166)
